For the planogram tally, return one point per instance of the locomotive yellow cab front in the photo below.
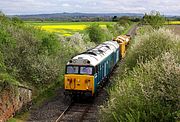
(78, 82)
(79, 79)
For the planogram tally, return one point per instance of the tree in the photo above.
(17, 20)
(115, 19)
(155, 19)
(95, 33)
(1, 13)
(50, 44)
(124, 21)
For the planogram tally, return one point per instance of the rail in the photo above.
(63, 113)
(80, 109)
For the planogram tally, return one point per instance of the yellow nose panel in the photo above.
(79, 82)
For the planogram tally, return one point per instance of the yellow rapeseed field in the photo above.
(66, 30)
(174, 22)
(70, 27)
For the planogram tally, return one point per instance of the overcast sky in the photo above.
(167, 7)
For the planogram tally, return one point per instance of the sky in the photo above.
(17, 7)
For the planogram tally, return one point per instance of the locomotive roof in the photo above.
(94, 56)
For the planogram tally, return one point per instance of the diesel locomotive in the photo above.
(85, 72)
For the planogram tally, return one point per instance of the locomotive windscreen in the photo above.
(72, 70)
(84, 70)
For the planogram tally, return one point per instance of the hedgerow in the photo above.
(147, 88)
(149, 46)
(34, 57)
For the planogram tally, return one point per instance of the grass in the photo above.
(65, 28)
(15, 120)
(47, 94)
(20, 118)
(128, 28)
(5, 77)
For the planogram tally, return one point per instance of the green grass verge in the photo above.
(47, 94)
(127, 29)
(15, 120)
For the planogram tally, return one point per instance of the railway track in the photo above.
(132, 31)
(78, 112)
(85, 110)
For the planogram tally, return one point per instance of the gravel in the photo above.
(50, 110)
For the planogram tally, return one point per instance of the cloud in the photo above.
(66, 5)
(171, 7)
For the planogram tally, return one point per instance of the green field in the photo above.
(65, 28)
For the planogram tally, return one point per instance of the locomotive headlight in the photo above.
(67, 84)
(69, 81)
(87, 83)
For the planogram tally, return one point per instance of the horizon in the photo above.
(82, 13)
(70, 13)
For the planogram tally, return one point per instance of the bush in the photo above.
(79, 42)
(154, 19)
(95, 33)
(50, 43)
(6, 40)
(146, 87)
(149, 46)
(148, 93)
(34, 57)
(31, 56)
(99, 34)
(124, 23)
(116, 29)
(2, 66)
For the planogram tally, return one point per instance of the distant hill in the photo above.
(75, 16)
(56, 15)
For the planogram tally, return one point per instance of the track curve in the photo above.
(58, 110)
